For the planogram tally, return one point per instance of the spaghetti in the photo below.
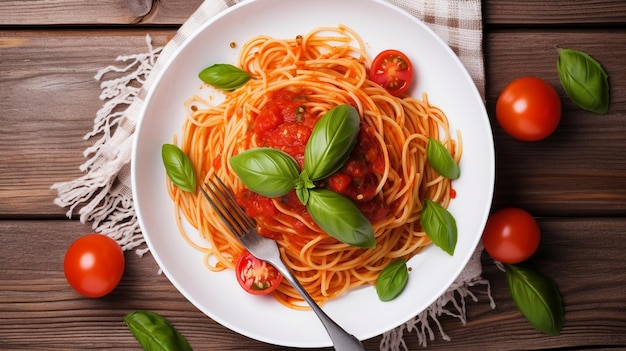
(316, 72)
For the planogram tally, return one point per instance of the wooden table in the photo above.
(574, 182)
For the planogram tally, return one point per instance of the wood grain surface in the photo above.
(574, 182)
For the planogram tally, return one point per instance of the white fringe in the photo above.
(455, 296)
(105, 190)
(451, 303)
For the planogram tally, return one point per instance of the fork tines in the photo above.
(223, 202)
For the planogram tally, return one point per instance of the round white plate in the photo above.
(381, 26)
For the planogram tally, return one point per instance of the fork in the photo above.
(244, 228)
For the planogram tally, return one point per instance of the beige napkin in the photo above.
(103, 194)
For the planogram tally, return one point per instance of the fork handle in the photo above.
(342, 340)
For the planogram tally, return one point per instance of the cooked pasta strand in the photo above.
(328, 66)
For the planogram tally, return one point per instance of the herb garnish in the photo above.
(154, 332)
(584, 80)
(274, 173)
(441, 160)
(439, 225)
(224, 76)
(537, 297)
(392, 280)
(178, 167)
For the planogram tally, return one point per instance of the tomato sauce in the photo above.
(285, 123)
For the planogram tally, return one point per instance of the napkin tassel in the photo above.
(451, 303)
(105, 188)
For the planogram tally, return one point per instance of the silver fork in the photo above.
(244, 228)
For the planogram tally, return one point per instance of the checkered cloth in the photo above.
(103, 194)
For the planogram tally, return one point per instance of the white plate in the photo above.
(381, 26)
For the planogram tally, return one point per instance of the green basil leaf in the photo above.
(304, 185)
(441, 160)
(537, 297)
(266, 171)
(340, 218)
(178, 167)
(224, 76)
(303, 194)
(392, 280)
(154, 332)
(440, 226)
(584, 80)
(331, 141)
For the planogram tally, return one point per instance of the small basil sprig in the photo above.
(340, 217)
(441, 160)
(273, 173)
(154, 332)
(392, 280)
(537, 297)
(303, 187)
(331, 141)
(224, 76)
(439, 225)
(584, 80)
(178, 167)
(266, 171)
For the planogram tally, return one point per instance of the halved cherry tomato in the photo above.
(393, 70)
(528, 109)
(511, 235)
(94, 265)
(256, 276)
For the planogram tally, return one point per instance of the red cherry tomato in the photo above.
(528, 109)
(511, 235)
(393, 71)
(256, 276)
(94, 265)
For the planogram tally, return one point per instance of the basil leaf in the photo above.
(331, 142)
(340, 218)
(440, 226)
(178, 167)
(392, 280)
(584, 80)
(154, 332)
(224, 76)
(537, 297)
(441, 160)
(266, 171)
(303, 187)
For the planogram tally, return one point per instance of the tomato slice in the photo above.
(256, 276)
(393, 70)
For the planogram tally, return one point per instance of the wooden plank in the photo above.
(563, 12)
(591, 175)
(49, 102)
(38, 309)
(175, 12)
(103, 12)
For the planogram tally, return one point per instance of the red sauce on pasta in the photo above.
(285, 124)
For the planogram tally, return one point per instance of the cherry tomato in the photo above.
(393, 71)
(528, 109)
(511, 235)
(94, 265)
(256, 276)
